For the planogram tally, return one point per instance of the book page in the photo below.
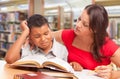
(55, 63)
(86, 74)
(31, 61)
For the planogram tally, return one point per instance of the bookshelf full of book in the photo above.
(68, 20)
(10, 28)
(58, 18)
(54, 15)
(114, 28)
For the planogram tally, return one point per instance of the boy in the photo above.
(40, 41)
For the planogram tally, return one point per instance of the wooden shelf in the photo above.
(17, 33)
(3, 50)
(6, 32)
(114, 15)
(2, 40)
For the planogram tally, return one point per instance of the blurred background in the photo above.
(61, 14)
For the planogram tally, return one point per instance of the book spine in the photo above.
(18, 77)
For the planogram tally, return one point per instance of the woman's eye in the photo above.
(86, 25)
(79, 19)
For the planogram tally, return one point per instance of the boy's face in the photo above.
(41, 37)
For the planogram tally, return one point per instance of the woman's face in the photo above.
(41, 36)
(82, 25)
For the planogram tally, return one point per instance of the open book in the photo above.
(39, 61)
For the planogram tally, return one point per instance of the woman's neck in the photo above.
(83, 43)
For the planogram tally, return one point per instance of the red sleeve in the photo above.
(109, 47)
(68, 36)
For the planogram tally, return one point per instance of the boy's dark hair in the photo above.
(36, 20)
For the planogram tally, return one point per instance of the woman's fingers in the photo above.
(104, 71)
(76, 66)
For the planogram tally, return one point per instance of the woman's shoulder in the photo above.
(108, 40)
(109, 46)
(68, 33)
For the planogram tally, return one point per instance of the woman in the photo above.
(89, 45)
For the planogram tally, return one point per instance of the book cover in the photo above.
(36, 75)
(57, 74)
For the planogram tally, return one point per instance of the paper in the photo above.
(86, 74)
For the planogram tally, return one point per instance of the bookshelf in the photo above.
(68, 20)
(9, 28)
(55, 16)
(114, 28)
(53, 22)
(58, 18)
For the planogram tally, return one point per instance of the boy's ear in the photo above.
(32, 45)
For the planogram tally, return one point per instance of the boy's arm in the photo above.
(13, 52)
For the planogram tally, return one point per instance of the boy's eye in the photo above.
(36, 36)
(46, 33)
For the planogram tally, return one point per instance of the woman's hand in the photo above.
(76, 66)
(104, 71)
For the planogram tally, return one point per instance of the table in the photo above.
(7, 72)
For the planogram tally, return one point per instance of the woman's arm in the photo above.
(116, 60)
(106, 71)
(13, 52)
(58, 36)
(116, 57)
(115, 74)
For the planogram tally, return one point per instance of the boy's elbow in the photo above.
(10, 60)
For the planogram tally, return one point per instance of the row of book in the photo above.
(10, 27)
(12, 16)
(114, 28)
(6, 40)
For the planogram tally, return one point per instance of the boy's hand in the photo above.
(24, 26)
(76, 66)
